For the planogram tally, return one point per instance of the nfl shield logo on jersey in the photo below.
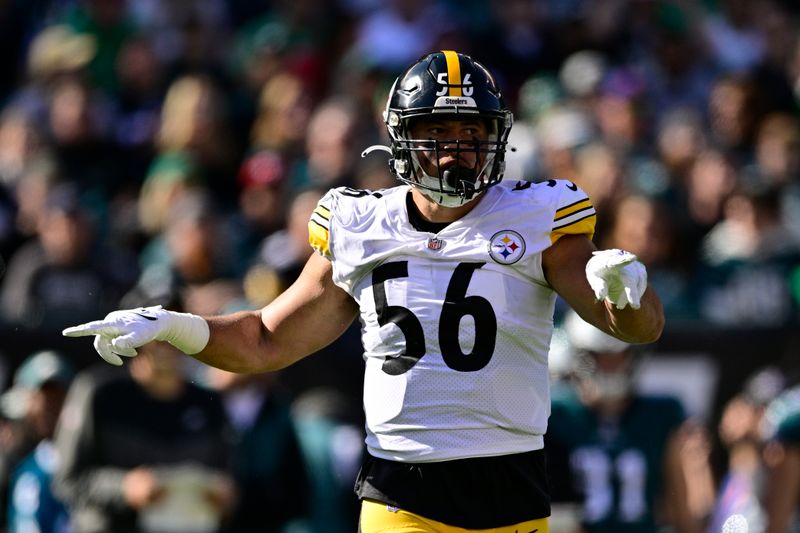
(506, 247)
(435, 244)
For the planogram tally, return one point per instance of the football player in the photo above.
(454, 275)
(622, 448)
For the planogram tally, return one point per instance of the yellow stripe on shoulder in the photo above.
(580, 226)
(323, 211)
(568, 210)
(319, 238)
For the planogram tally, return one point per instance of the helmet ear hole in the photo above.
(400, 167)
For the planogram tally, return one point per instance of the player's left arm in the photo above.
(564, 265)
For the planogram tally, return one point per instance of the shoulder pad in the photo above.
(319, 225)
(574, 213)
(349, 207)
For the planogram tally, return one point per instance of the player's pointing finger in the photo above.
(84, 330)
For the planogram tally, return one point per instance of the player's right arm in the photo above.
(308, 316)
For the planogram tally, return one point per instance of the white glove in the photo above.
(121, 332)
(618, 276)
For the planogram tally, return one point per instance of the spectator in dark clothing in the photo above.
(58, 276)
(331, 432)
(78, 120)
(271, 476)
(148, 452)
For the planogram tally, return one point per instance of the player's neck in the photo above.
(433, 212)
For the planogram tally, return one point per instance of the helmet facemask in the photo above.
(459, 182)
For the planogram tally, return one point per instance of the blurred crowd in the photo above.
(170, 152)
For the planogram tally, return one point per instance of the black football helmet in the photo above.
(450, 85)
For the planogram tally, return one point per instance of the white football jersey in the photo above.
(456, 325)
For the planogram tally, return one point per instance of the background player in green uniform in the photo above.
(615, 450)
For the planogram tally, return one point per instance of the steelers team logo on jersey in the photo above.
(506, 247)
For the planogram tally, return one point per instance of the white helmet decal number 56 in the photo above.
(466, 91)
(466, 85)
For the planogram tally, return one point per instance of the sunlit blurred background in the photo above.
(171, 151)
